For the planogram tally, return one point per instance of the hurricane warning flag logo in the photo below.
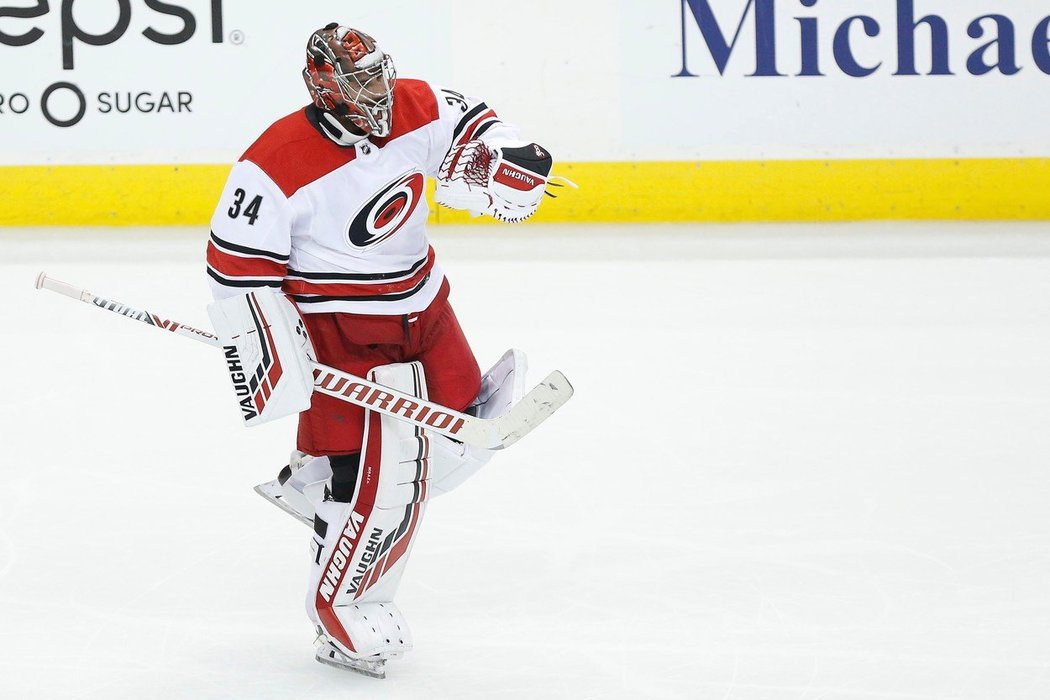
(384, 215)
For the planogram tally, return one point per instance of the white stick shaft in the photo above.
(491, 434)
(45, 282)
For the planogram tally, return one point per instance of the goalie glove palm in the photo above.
(506, 183)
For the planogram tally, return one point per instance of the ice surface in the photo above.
(802, 462)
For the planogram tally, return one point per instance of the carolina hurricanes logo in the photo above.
(384, 215)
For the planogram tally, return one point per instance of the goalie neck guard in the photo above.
(349, 76)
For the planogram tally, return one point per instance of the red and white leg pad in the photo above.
(452, 462)
(431, 464)
(361, 548)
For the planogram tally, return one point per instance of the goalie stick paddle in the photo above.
(493, 434)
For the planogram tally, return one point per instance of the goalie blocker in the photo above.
(268, 354)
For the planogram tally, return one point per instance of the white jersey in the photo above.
(341, 228)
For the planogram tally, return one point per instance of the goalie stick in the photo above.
(493, 434)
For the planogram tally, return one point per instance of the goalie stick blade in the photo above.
(534, 408)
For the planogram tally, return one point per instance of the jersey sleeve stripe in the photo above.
(245, 250)
(485, 127)
(467, 118)
(471, 130)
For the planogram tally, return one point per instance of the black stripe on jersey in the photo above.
(488, 125)
(359, 276)
(245, 250)
(242, 282)
(467, 118)
(305, 299)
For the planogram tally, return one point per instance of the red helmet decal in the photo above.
(356, 47)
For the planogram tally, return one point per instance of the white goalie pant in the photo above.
(361, 548)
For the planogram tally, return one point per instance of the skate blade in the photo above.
(372, 669)
(271, 491)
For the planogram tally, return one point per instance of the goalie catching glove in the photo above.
(507, 183)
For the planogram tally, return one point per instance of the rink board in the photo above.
(629, 192)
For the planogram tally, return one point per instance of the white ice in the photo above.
(805, 462)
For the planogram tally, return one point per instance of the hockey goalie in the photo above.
(318, 253)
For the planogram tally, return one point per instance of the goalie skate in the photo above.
(328, 654)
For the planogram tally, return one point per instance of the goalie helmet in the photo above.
(348, 75)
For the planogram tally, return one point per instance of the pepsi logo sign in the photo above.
(384, 215)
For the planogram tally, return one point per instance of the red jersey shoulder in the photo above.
(415, 106)
(293, 153)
